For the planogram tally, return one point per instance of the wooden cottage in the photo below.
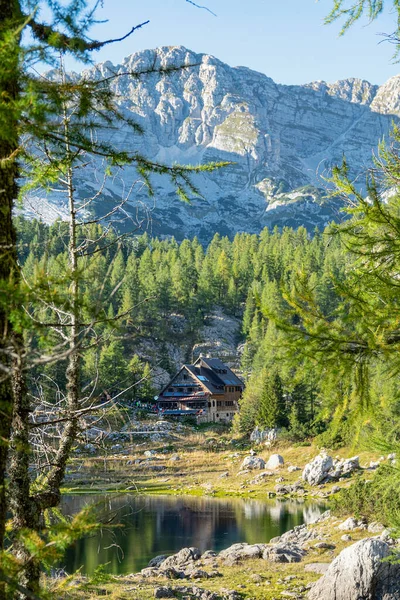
(207, 389)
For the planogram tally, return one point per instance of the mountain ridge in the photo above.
(281, 139)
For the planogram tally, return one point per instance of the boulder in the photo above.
(284, 553)
(252, 462)
(157, 560)
(317, 470)
(375, 527)
(239, 552)
(345, 467)
(299, 536)
(181, 558)
(360, 573)
(164, 592)
(275, 461)
(349, 524)
(293, 468)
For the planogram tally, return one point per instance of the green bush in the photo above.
(378, 499)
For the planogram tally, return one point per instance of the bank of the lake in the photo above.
(155, 525)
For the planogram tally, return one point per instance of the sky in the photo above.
(285, 39)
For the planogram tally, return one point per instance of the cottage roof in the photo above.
(220, 370)
(213, 374)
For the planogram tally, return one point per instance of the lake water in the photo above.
(154, 525)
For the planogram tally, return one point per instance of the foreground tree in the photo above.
(59, 117)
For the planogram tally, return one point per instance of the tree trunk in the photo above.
(26, 514)
(9, 92)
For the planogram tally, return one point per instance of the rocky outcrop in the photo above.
(281, 140)
(300, 535)
(182, 565)
(360, 573)
(239, 552)
(324, 468)
(284, 553)
(259, 435)
(317, 470)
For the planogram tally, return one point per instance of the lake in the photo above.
(154, 525)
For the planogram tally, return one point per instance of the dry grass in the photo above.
(204, 457)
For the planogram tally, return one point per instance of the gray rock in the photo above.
(239, 552)
(275, 461)
(317, 470)
(349, 524)
(346, 538)
(259, 435)
(293, 468)
(284, 553)
(164, 592)
(299, 535)
(375, 527)
(181, 558)
(359, 573)
(345, 467)
(253, 462)
(324, 546)
(157, 560)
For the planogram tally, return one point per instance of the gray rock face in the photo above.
(280, 139)
(259, 435)
(253, 462)
(358, 573)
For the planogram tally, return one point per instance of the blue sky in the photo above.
(285, 39)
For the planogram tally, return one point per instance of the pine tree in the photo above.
(272, 408)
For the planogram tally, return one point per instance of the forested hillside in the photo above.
(156, 296)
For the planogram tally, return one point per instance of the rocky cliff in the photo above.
(282, 141)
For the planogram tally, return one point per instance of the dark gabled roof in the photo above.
(214, 365)
(205, 370)
(207, 378)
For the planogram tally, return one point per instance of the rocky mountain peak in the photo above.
(281, 139)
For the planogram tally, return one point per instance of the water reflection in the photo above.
(163, 525)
